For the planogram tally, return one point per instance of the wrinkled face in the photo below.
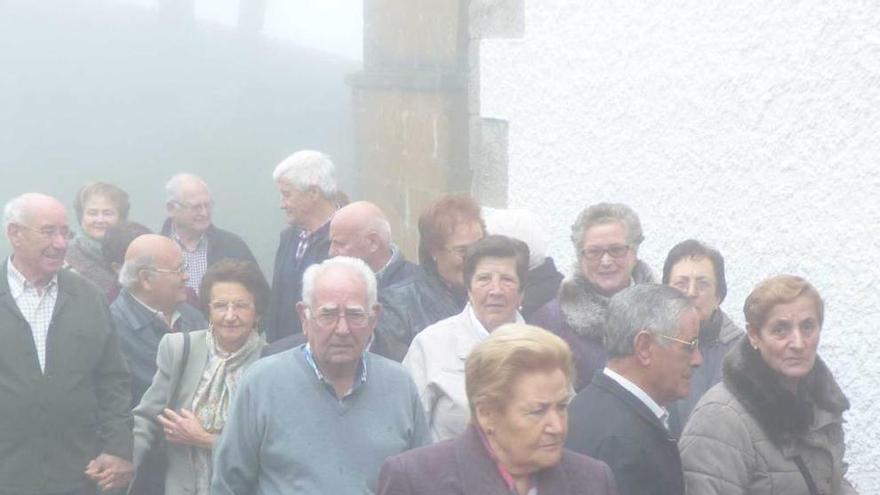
(494, 292)
(294, 202)
(450, 259)
(232, 313)
(40, 242)
(695, 277)
(789, 339)
(673, 362)
(338, 323)
(165, 283)
(347, 240)
(528, 434)
(192, 211)
(99, 214)
(609, 274)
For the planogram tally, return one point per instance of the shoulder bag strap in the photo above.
(172, 397)
(811, 485)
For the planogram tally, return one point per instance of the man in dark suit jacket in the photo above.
(189, 207)
(307, 184)
(152, 303)
(621, 417)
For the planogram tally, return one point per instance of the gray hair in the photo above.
(172, 187)
(602, 213)
(128, 274)
(358, 266)
(13, 211)
(652, 307)
(307, 168)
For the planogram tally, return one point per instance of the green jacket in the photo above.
(53, 424)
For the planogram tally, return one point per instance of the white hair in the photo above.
(13, 211)
(519, 224)
(128, 274)
(307, 168)
(358, 266)
(172, 187)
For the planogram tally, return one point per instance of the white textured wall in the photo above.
(754, 126)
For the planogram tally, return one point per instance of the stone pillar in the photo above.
(411, 108)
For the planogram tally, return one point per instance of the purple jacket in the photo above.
(463, 467)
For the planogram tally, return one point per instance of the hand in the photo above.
(110, 472)
(184, 429)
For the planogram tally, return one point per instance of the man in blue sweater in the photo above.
(323, 416)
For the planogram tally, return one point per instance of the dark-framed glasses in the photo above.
(595, 253)
(689, 346)
(328, 317)
(50, 232)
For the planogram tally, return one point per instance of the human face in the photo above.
(673, 362)
(164, 284)
(494, 292)
(529, 432)
(294, 202)
(789, 339)
(40, 241)
(191, 212)
(347, 240)
(608, 274)
(99, 214)
(338, 345)
(450, 259)
(695, 277)
(232, 313)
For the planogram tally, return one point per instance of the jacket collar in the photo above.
(605, 382)
(479, 475)
(781, 413)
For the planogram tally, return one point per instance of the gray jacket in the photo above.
(745, 433)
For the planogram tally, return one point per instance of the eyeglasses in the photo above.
(194, 207)
(690, 346)
(596, 253)
(50, 232)
(234, 306)
(178, 271)
(328, 317)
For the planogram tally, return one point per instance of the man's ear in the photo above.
(143, 276)
(373, 242)
(377, 311)
(644, 344)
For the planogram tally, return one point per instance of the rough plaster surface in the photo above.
(752, 125)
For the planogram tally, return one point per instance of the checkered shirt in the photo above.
(196, 260)
(36, 305)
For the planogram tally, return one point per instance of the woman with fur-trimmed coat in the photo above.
(774, 425)
(606, 239)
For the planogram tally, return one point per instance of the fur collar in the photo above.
(584, 308)
(780, 413)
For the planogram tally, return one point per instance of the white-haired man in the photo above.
(323, 416)
(189, 206)
(306, 181)
(64, 386)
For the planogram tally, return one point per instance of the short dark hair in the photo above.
(115, 194)
(118, 237)
(244, 272)
(497, 246)
(439, 220)
(693, 248)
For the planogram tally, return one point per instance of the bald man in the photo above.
(64, 386)
(189, 205)
(360, 230)
(151, 304)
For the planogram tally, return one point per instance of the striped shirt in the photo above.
(36, 305)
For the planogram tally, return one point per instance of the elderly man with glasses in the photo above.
(652, 340)
(189, 206)
(64, 386)
(323, 416)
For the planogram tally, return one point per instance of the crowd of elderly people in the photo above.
(165, 363)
